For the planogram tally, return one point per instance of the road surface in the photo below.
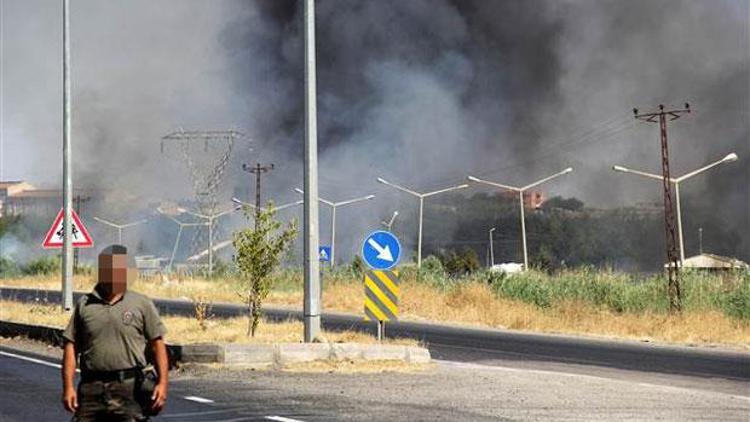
(450, 391)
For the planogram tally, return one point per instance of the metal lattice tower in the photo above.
(673, 260)
(206, 155)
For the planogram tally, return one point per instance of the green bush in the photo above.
(461, 263)
(736, 301)
(358, 266)
(44, 265)
(432, 267)
(8, 267)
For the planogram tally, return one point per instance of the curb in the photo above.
(256, 355)
(281, 354)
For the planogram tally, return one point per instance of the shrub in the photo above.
(460, 263)
(44, 265)
(8, 267)
(736, 301)
(358, 266)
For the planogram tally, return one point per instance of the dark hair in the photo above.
(114, 250)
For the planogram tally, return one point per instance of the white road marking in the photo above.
(28, 359)
(282, 419)
(574, 375)
(198, 399)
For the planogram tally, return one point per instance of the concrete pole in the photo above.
(311, 308)
(523, 232)
(333, 236)
(174, 248)
(679, 223)
(67, 252)
(419, 240)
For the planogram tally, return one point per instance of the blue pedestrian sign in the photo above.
(381, 250)
(324, 253)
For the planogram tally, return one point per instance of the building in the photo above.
(531, 199)
(21, 198)
(10, 189)
(711, 262)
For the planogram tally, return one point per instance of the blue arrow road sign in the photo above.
(324, 253)
(381, 250)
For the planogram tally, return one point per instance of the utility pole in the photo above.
(258, 170)
(673, 260)
(700, 240)
(76, 251)
(67, 252)
(492, 249)
(311, 305)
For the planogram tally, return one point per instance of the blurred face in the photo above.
(114, 275)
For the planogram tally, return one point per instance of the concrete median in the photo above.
(253, 355)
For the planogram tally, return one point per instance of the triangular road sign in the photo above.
(55, 235)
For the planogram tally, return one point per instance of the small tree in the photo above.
(259, 250)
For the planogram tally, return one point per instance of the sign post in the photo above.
(381, 251)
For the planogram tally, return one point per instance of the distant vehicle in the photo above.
(507, 267)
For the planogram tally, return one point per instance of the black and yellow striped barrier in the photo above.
(381, 295)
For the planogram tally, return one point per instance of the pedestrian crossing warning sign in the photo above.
(56, 234)
(382, 292)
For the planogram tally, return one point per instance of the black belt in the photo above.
(109, 376)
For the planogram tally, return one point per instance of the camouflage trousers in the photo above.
(108, 401)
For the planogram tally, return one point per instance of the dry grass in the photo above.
(471, 303)
(187, 330)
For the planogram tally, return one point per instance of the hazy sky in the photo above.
(421, 91)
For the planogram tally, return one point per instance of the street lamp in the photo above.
(181, 225)
(676, 182)
(421, 197)
(210, 223)
(520, 191)
(389, 224)
(333, 206)
(492, 250)
(119, 227)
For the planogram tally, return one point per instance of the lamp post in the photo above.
(676, 182)
(181, 225)
(119, 227)
(389, 224)
(492, 250)
(421, 197)
(333, 206)
(520, 191)
(210, 223)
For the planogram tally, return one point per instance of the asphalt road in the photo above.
(449, 391)
(31, 392)
(491, 347)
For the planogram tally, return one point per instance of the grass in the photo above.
(186, 330)
(583, 301)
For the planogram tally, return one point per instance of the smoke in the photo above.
(421, 93)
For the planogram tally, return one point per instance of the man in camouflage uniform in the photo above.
(110, 330)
